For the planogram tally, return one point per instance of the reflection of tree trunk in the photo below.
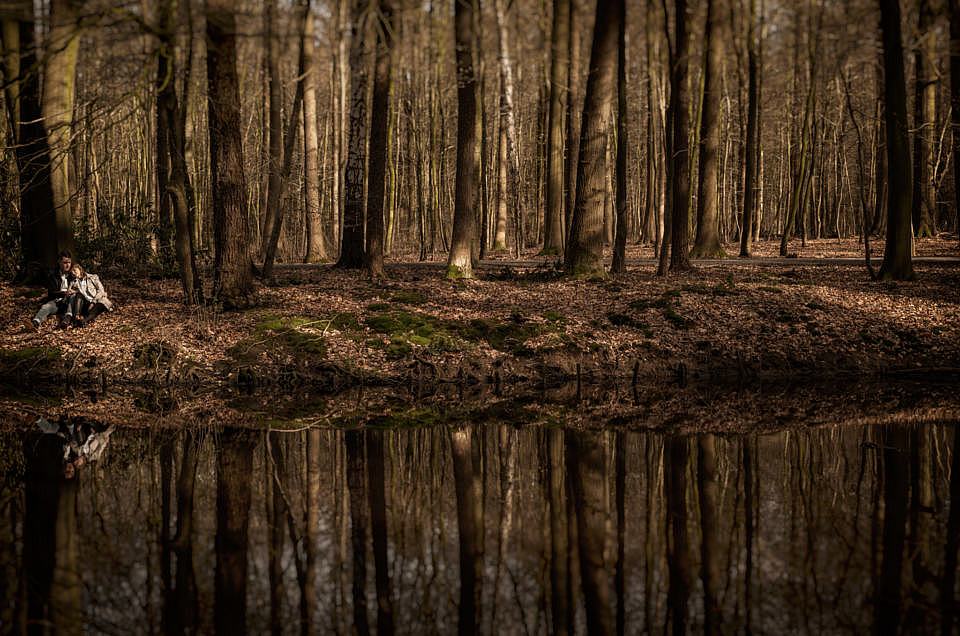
(895, 485)
(586, 466)
(274, 467)
(185, 584)
(561, 610)
(467, 486)
(710, 548)
(947, 600)
(309, 593)
(358, 528)
(234, 468)
(619, 575)
(508, 442)
(678, 550)
(378, 526)
(748, 516)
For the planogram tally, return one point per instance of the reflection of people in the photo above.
(59, 293)
(90, 299)
(82, 442)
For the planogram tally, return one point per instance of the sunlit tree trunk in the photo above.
(232, 267)
(508, 121)
(460, 261)
(559, 94)
(316, 241)
(897, 255)
(707, 241)
(926, 81)
(59, 92)
(584, 254)
(380, 111)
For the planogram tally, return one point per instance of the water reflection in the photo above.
(485, 529)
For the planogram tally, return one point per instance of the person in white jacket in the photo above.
(91, 298)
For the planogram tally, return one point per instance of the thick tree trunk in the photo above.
(679, 128)
(232, 267)
(316, 240)
(460, 261)
(584, 254)
(897, 255)
(380, 111)
(351, 238)
(559, 94)
(274, 124)
(59, 91)
(707, 241)
(32, 150)
(619, 264)
(574, 112)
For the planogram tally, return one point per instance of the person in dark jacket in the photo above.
(59, 294)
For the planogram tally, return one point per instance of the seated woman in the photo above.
(91, 298)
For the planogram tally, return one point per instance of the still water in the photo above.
(489, 528)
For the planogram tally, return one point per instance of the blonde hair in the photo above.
(78, 271)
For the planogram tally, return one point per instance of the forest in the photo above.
(479, 316)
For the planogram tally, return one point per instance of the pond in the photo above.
(427, 525)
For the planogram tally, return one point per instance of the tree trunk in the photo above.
(351, 238)
(750, 158)
(680, 174)
(619, 264)
(508, 122)
(59, 91)
(274, 124)
(897, 255)
(925, 124)
(380, 111)
(468, 492)
(711, 565)
(707, 241)
(559, 94)
(955, 102)
(460, 261)
(31, 150)
(584, 254)
(316, 241)
(173, 181)
(232, 267)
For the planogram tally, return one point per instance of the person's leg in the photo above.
(95, 310)
(48, 308)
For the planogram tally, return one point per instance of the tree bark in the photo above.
(897, 255)
(955, 102)
(584, 254)
(232, 266)
(707, 241)
(509, 154)
(316, 239)
(380, 111)
(460, 261)
(32, 149)
(925, 124)
(351, 238)
(619, 264)
(750, 158)
(559, 94)
(680, 115)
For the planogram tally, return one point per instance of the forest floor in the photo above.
(331, 329)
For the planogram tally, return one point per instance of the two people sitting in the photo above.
(74, 295)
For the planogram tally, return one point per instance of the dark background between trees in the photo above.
(187, 136)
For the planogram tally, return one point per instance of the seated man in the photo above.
(59, 294)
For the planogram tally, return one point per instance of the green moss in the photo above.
(407, 328)
(378, 306)
(455, 272)
(553, 316)
(29, 354)
(409, 297)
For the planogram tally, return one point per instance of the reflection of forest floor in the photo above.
(753, 407)
(331, 328)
